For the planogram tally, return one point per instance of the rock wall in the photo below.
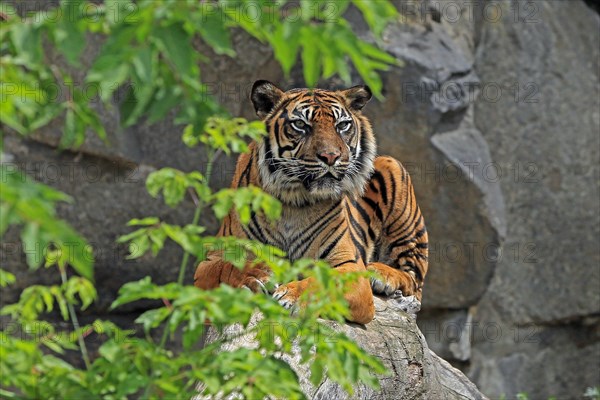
(494, 111)
(546, 298)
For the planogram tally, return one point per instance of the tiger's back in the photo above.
(340, 202)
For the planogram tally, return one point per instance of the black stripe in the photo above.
(363, 213)
(373, 187)
(248, 233)
(342, 263)
(281, 148)
(402, 227)
(404, 173)
(375, 207)
(286, 148)
(356, 225)
(411, 223)
(394, 194)
(261, 233)
(406, 253)
(415, 269)
(404, 240)
(363, 146)
(305, 233)
(258, 235)
(331, 245)
(304, 236)
(372, 234)
(269, 156)
(246, 173)
(359, 247)
(379, 178)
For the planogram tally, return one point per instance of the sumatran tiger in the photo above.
(341, 203)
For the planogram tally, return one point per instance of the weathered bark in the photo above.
(393, 336)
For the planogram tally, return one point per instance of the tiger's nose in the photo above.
(329, 157)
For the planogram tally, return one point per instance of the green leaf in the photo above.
(173, 184)
(143, 65)
(176, 44)
(285, 41)
(145, 289)
(316, 372)
(153, 318)
(213, 31)
(28, 42)
(376, 13)
(222, 206)
(61, 301)
(138, 247)
(82, 288)
(165, 100)
(5, 216)
(310, 56)
(143, 88)
(32, 245)
(143, 222)
(110, 351)
(6, 278)
(195, 328)
(69, 135)
(68, 35)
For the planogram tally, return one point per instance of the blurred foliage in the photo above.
(45, 238)
(147, 53)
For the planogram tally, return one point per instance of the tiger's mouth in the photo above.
(324, 178)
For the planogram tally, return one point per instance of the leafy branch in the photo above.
(147, 53)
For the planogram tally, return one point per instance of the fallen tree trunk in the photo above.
(393, 336)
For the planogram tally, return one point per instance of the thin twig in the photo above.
(75, 321)
(184, 261)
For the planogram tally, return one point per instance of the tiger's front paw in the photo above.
(259, 280)
(385, 286)
(287, 295)
(391, 280)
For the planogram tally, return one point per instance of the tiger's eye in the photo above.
(343, 126)
(298, 125)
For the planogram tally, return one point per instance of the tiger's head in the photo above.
(319, 145)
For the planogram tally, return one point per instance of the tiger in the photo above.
(340, 201)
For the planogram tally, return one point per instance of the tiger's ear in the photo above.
(357, 96)
(265, 96)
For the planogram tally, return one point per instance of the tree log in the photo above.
(393, 337)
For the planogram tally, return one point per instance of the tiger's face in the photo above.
(319, 145)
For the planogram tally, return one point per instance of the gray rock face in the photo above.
(546, 137)
(549, 145)
(393, 336)
(428, 101)
(107, 194)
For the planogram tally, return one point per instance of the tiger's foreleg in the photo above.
(403, 235)
(214, 271)
(358, 295)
